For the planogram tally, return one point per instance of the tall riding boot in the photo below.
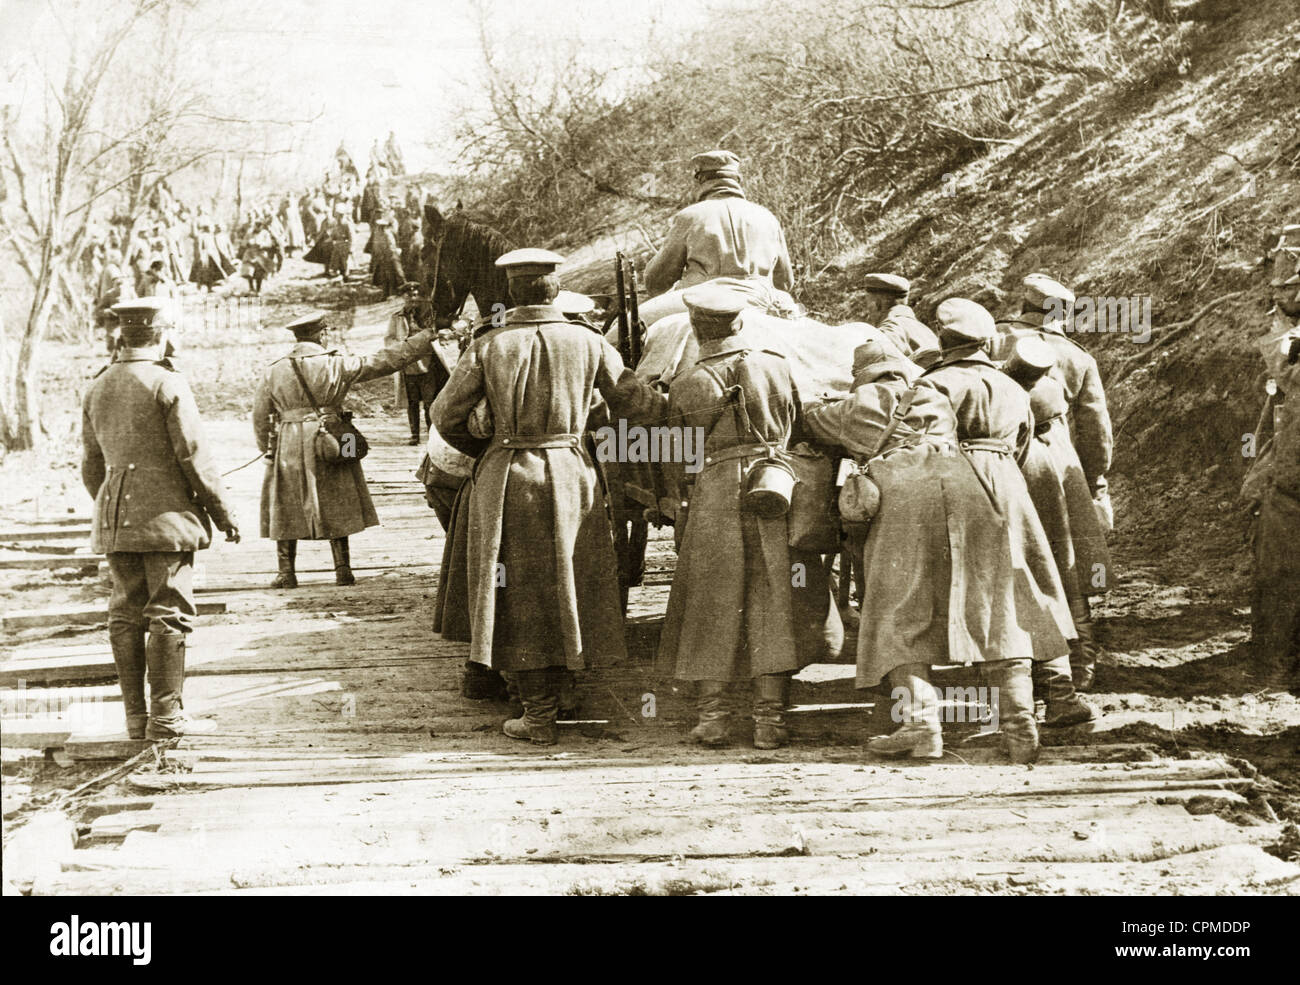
(285, 553)
(1015, 707)
(570, 701)
(342, 562)
(769, 711)
(920, 734)
(413, 419)
(512, 694)
(539, 691)
(711, 702)
(165, 657)
(127, 642)
(1084, 652)
(1064, 707)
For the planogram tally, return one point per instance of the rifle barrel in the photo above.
(634, 315)
(624, 332)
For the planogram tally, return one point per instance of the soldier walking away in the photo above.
(888, 310)
(994, 431)
(744, 605)
(1075, 369)
(303, 496)
(157, 494)
(542, 576)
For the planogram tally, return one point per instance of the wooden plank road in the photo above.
(346, 760)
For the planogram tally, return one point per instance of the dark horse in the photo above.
(460, 255)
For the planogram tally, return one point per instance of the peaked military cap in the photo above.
(1039, 289)
(965, 319)
(716, 160)
(1034, 354)
(714, 303)
(572, 303)
(887, 283)
(529, 262)
(145, 313)
(308, 324)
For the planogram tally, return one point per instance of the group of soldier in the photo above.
(979, 455)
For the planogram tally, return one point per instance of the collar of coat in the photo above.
(1037, 320)
(730, 346)
(535, 314)
(143, 354)
(302, 349)
(978, 356)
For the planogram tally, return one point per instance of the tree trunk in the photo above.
(20, 417)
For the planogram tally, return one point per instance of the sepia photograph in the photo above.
(653, 448)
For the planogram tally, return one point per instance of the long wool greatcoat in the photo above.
(1062, 498)
(939, 582)
(542, 577)
(145, 460)
(303, 499)
(1076, 371)
(739, 606)
(1028, 615)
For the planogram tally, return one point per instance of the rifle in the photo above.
(624, 327)
(634, 313)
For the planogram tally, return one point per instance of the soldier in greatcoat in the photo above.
(1061, 496)
(542, 575)
(722, 234)
(888, 310)
(1045, 315)
(157, 494)
(304, 498)
(994, 431)
(744, 605)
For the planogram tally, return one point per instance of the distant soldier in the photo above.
(114, 286)
(422, 379)
(1272, 487)
(156, 283)
(542, 575)
(304, 498)
(721, 235)
(888, 310)
(385, 258)
(157, 494)
(339, 235)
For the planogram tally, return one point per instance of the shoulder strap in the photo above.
(735, 394)
(895, 419)
(302, 380)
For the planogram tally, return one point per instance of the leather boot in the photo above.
(127, 642)
(711, 702)
(1084, 652)
(769, 711)
(413, 419)
(342, 562)
(539, 691)
(484, 684)
(512, 695)
(920, 735)
(285, 553)
(165, 657)
(570, 701)
(1064, 707)
(1015, 704)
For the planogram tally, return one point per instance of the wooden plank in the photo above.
(26, 534)
(51, 562)
(82, 615)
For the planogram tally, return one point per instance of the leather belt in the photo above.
(297, 415)
(523, 441)
(738, 451)
(1042, 427)
(993, 445)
